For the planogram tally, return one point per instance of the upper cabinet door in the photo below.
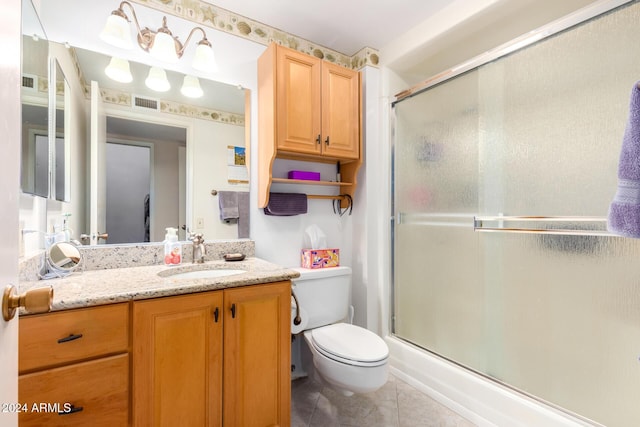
(340, 111)
(298, 102)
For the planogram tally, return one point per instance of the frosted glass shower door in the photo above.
(438, 285)
(502, 180)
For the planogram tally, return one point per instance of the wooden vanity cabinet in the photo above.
(214, 358)
(74, 367)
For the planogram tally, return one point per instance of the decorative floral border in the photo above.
(170, 107)
(223, 20)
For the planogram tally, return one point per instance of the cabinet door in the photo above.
(340, 111)
(177, 361)
(298, 114)
(257, 355)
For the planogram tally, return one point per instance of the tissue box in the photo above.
(319, 258)
(305, 175)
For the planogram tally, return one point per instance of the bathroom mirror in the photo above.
(34, 168)
(64, 257)
(236, 59)
(146, 152)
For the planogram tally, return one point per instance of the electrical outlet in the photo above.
(199, 223)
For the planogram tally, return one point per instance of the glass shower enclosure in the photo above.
(502, 178)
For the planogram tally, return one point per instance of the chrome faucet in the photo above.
(199, 249)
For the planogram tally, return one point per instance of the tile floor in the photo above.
(396, 404)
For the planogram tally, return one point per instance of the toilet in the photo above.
(348, 358)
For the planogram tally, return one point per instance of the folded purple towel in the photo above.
(624, 211)
(286, 204)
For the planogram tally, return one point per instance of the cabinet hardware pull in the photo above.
(72, 410)
(71, 337)
(233, 311)
(326, 141)
(318, 139)
(216, 312)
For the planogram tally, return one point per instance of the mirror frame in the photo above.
(59, 92)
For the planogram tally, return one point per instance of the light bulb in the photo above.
(118, 70)
(204, 58)
(164, 48)
(116, 32)
(191, 87)
(157, 80)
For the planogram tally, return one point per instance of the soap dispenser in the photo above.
(172, 248)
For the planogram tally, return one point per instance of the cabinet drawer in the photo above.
(58, 338)
(98, 391)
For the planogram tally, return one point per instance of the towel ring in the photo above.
(337, 209)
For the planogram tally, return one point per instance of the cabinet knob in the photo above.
(233, 311)
(326, 141)
(34, 301)
(318, 139)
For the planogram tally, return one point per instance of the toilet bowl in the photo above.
(349, 358)
(346, 357)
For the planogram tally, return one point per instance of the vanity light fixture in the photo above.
(157, 80)
(161, 44)
(191, 87)
(118, 70)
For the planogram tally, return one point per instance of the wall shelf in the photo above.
(308, 182)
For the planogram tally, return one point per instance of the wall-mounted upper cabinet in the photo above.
(316, 109)
(309, 109)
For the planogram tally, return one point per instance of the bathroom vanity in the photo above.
(143, 346)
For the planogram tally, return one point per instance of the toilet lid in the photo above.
(350, 342)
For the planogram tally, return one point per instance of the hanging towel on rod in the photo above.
(624, 212)
(228, 203)
(243, 215)
(286, 204)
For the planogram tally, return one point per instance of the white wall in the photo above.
(211, 173)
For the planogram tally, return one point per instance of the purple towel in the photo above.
(286, 204)
(624, 212)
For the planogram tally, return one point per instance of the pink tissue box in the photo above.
(305, 175)
(319, 258)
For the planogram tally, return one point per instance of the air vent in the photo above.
(146, 103)
(29, 81)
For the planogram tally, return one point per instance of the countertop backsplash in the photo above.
(104, 257)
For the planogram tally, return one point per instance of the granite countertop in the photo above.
(97, 287)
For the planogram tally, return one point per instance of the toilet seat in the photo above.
(350, 344)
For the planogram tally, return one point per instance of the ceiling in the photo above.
(416, 38)
(344, 26)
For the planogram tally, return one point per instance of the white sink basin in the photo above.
(206, 274)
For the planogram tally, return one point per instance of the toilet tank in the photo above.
(324, 295)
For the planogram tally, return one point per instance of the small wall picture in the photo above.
(236, 165)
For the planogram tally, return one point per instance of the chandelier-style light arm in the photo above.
(120, 12)
(186, 42)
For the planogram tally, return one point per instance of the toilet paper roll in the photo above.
(295, 329)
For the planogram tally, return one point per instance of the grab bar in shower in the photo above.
(485, 224)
